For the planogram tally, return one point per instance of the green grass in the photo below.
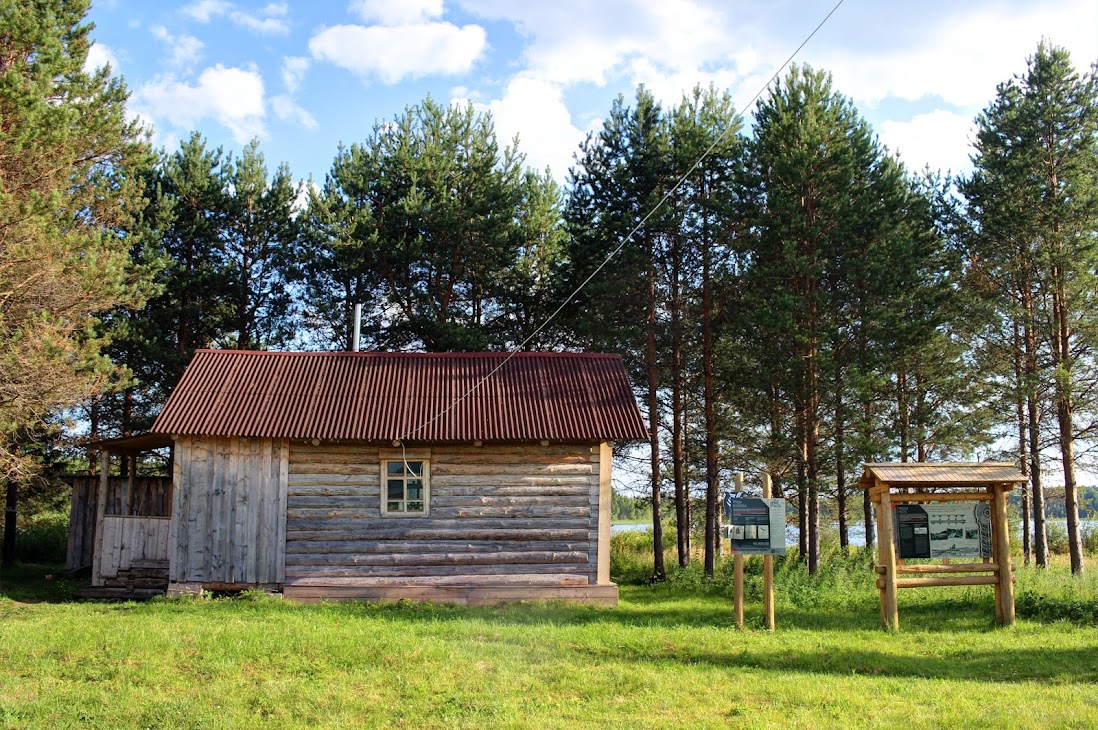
(668, 656)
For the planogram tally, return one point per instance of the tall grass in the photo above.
(847, 582)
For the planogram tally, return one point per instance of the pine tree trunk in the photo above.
(1033, 424)
(813, 476)
(903, 417)
(10, 504)
(652, 365)
(1062, 359)
(840, 462)
(920, 408)
(867, 433)
(1020, 418)
(710, 408)
(681, 498)
(812, 436)
(867, 515)
(802, 493)
(93, 435)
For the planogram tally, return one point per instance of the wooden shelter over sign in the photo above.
(942, 511)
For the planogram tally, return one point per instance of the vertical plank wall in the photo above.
(499, 515)
(126, 539)
(151, 498)
(228, 511)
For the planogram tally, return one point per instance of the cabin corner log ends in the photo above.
(890, 485)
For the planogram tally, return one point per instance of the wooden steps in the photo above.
(141, 581)
(109, 593)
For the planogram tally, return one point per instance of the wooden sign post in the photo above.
(759, 532)
(737, 570)
(768, 568)
(941, 511)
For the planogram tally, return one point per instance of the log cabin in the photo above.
(448, 477)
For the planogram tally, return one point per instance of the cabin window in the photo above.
(405, 487)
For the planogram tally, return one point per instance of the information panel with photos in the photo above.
(943, 530)
(755, 526)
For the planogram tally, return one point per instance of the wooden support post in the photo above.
(606, 463)
(890, 612)
(100, 512)
(999, 615)
(1000, 534)
(737, 588)
(768, 568)
(127, 495)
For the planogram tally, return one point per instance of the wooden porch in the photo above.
(119, 526)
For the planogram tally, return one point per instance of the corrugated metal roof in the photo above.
(943, 474)
(374, 396)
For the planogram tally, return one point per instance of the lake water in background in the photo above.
(856, 531)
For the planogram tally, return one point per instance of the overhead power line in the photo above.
(629, 237)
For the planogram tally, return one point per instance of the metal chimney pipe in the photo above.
(358, 326)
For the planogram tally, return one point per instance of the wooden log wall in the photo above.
(499, 515)
(229, 511)
(126, 539)
(151, 498)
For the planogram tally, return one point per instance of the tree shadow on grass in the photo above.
(1068, 665)
(37, 583)
(668, 608)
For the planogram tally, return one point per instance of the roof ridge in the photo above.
(411, 355)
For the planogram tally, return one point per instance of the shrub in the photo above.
(42, 538)
(1057, 537)
(1056, 595)
(1090, 540)
(631, 556)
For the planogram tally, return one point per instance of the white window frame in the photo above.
(426, 479)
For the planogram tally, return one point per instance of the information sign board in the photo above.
(943, 530)
(756, 526)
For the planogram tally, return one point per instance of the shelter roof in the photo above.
(133, 445)
(377, 396)
(945, 474)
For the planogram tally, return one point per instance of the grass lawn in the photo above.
(666, 657)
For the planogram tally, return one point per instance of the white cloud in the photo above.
(939, 139)
(293, 71)
(396, 12)
(99, 56)
(670, 46)
(233, 97)
(288, 110)
(268, 20)
(534, 110)
(963, 56)
(574, 41)
(204, 10)
(271, 20)
(183, 50)
(393, 54)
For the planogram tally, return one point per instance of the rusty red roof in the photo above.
(380, 396)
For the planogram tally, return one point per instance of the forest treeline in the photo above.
(788, 297)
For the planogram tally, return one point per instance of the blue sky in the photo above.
(307, 76)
